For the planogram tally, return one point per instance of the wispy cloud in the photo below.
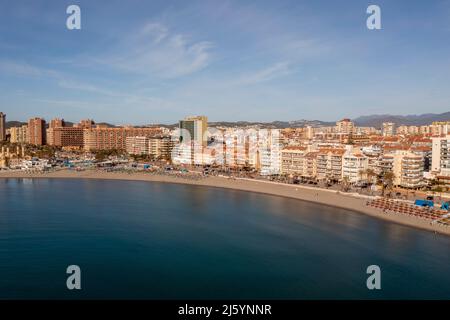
(157, 51)
(25, 69)
(277, 70)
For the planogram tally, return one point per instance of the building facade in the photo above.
(114, 138)
(36, 131)
(2, 126)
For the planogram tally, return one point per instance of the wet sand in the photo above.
(333, 198)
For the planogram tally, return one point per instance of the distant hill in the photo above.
(10, 124)
(409, 120)
(363, 121)
(109, 125)
(273, 124)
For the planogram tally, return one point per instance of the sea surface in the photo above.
(165, 241)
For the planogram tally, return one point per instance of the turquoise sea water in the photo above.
(164, 241)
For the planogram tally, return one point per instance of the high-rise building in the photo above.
(85, 124)
(36, 131)
(345, 126)
(270, 151)
(388, 129)
(57, 123)
(19, 134)
(2, 126)
(193, 129)
(406, 166)
(440, 156)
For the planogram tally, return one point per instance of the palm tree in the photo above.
(370, 173)
(387, 181)
(345, 184)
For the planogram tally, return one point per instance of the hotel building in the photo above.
(103, 138)
(36, 131)
(68, 137)
(193, 129)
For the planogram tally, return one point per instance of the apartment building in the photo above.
(293, 160)
(354, 165)
(101, 138)
(310, 165)
(440, 156)
(407, 167)
(345, 126)
(137, 145)
(19, 134)
(37, 131)
(412, 169)
(388, 129)
(156, 147)
(329, 164)
(271, 144)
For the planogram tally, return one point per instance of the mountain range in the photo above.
(363, 121)
(409, 120)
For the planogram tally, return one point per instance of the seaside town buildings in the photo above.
(344, 152)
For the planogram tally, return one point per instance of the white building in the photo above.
(270, 151)
(354, 166)
(388, 129)
(440, 156)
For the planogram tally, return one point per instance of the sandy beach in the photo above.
(333, 198)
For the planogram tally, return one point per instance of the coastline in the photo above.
(353, 202)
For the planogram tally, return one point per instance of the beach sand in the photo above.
(333, 198)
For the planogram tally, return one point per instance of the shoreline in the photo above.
(332, 198)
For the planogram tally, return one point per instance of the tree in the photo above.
(387, 181)
(370, 173)
(345, 184)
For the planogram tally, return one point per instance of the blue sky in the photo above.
(140, 62)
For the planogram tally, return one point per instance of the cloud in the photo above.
(277, 70)
(70, 84)
(154, 50)
(62, 80)
(25, 69)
